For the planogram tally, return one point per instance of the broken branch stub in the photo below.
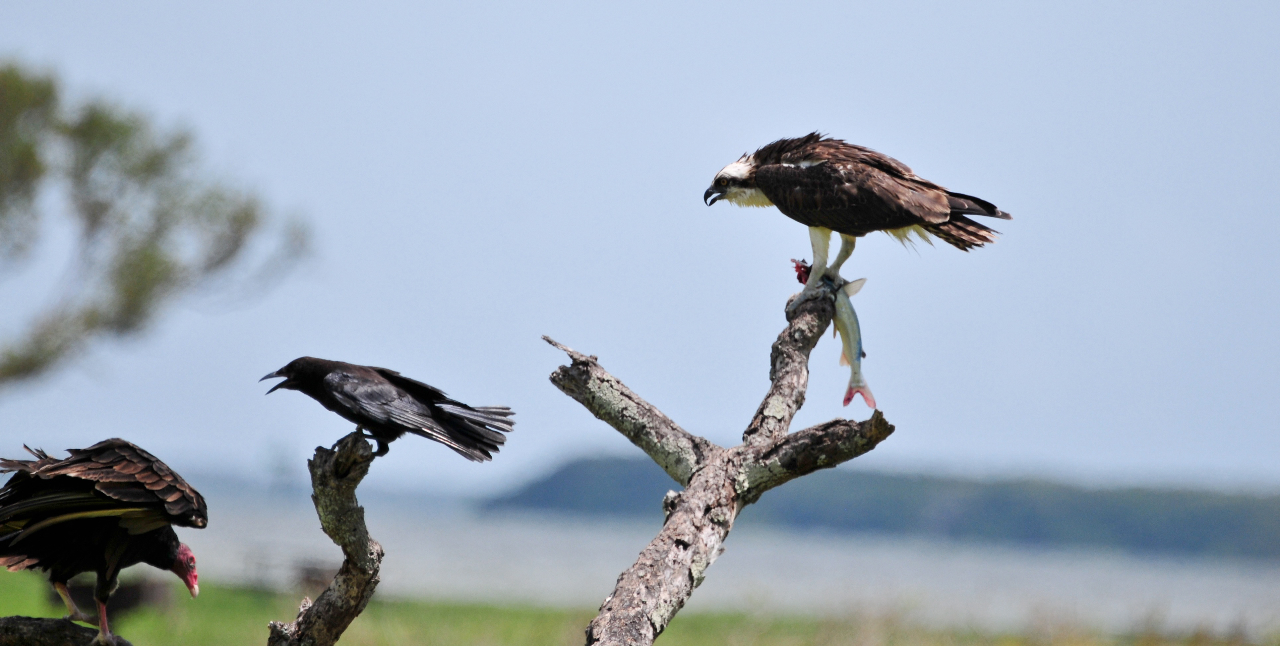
(676, 450)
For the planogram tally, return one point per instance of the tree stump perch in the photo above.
(335, 474)
(718, 482)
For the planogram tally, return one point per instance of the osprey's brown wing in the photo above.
(855, 190)
(111, 478)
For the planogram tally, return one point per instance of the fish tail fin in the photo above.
(863, 390)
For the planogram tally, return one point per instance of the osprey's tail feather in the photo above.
(962, 233)
(959, 231)
(962, 204)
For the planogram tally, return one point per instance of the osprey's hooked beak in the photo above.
(712, 195)
(275, 375)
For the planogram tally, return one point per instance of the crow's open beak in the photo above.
(712, 195)
(274, 375)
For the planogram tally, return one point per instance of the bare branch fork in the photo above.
(718, 481)
(335, 474)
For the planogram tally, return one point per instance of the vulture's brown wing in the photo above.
(112, 477)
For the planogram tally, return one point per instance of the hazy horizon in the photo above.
(478, 176)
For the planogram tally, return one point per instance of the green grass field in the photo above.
(225, 616)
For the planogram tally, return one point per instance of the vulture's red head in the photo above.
(185, 567)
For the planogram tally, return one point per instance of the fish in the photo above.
(846, 324)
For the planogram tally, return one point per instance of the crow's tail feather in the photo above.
(477, 432)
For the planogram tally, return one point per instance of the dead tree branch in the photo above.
(676, 450)
(789, 370)
(718, 481)
(803, 452)
(335, 474)
(30, 631)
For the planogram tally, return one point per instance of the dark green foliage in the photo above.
(149, 228)
(1026, 512)
(27, 105)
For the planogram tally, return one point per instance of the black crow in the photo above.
(387, 405)
(101, 510)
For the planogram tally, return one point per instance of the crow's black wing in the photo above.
(478, 430)
(387, 407)
(424, 393)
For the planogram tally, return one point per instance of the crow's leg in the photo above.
(846, 248)
(820, 238)
(104, 637)
(383, 447)
(73, 613)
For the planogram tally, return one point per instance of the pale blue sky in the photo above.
(480, 175)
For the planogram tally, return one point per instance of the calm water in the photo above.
(451, 553)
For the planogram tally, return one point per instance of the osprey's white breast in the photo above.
(747, 197)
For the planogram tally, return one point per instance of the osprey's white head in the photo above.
(736, 183)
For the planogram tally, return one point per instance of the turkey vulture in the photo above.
(102, 509)
(386, 405)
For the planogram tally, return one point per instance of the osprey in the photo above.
(830, 185)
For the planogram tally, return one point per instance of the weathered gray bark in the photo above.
(335, 473)
(30, 631)
(718, 481)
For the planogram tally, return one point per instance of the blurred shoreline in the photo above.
(441, 548)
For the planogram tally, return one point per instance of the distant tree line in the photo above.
(1025, 512)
